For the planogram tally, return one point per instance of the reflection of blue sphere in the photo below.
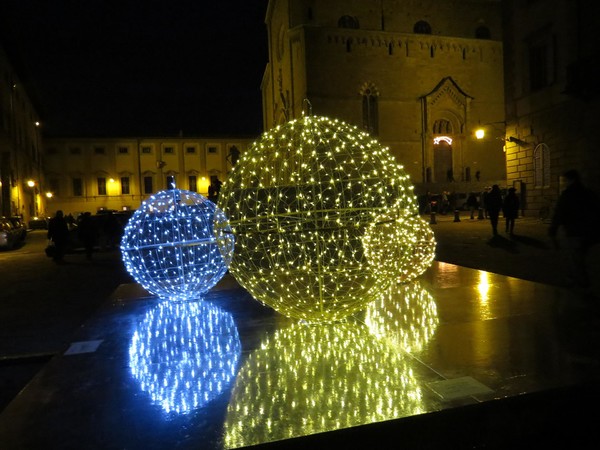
(184, 355)
(177, 245)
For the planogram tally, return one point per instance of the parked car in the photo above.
(38, 223)
(9, 235)
(19, 225)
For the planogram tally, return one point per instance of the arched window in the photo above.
(348, 22)
(370, 109)
(422, 27)
(442, 126)
(541, 166)
(483, 32)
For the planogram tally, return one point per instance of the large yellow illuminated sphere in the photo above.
(299, 202)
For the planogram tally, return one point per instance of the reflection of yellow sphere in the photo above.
(308, 379)
(299, 201)
(399, 246)
(405, 317)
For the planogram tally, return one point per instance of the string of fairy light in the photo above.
(184, 354)
(177, 245)
(312, 378)
(299, 202)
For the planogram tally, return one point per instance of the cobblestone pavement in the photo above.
(42, 304)
(529, 254)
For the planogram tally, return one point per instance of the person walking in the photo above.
(58, 232)
(484, 195)
(576, 215)
(510, 209)
(493, 205)
(472, 204)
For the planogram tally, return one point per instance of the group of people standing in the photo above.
(492, 203)
(509, 205)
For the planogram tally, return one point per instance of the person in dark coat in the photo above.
(493, 205)
(58, 232)
(472, 204)
(510, 208)
(576, 214)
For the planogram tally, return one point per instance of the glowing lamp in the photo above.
(177, 245)
(480, 133)
(299, 202)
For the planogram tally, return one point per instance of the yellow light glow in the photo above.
(299, 202)
(399, 246)
(49, 194)
(480, 133)
(405, 316)
(30, 183)
(307, 379)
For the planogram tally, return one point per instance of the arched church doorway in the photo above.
(442, 161)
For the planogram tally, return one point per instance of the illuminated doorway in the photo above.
(442, 161)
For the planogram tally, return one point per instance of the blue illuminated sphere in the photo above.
(177, 245)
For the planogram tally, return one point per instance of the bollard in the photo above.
(456, 215)
(432, 219)
(480, 216)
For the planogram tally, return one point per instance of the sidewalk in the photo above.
(529, 254)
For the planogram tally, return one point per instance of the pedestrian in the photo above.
(510, 209)
(58, 233)
(576, 215)
(493, 205)
(214, 188)
(472, 204)
(484, 195)
(88, 234)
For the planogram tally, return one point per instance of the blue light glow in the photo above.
(177, 245)
(184, 354)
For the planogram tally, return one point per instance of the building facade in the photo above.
(21, 174)
(420, 76)
(94, 174)
(551, 96)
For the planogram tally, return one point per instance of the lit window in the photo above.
(193, 183)
(370, 110)
(101, 186)
(124, 185)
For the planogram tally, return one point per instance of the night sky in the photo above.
(140, 67)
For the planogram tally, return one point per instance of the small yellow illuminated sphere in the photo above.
(299, 202)
(399, 245)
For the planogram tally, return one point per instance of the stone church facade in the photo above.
(420, 76)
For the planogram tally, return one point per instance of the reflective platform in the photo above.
(459, 359)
